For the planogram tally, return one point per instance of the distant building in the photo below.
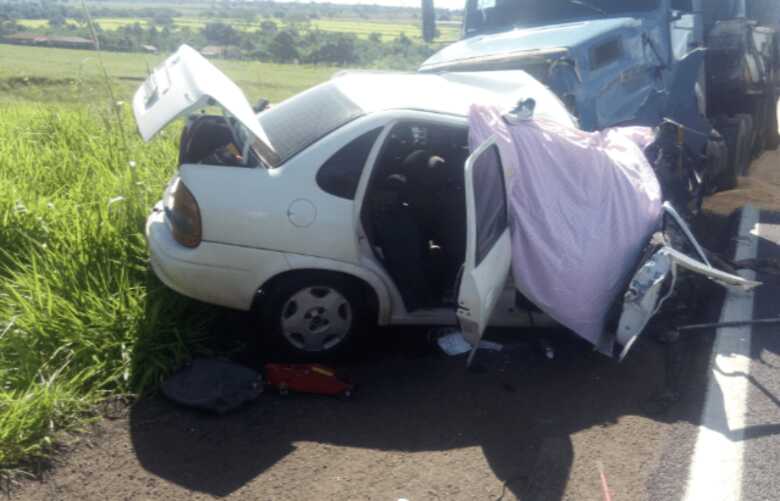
(26, 39)
(49, 41)
(213, 51)
(71, 42)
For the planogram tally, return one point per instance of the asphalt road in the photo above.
(760, 479)
(422, 427)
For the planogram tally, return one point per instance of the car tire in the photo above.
(314, 316)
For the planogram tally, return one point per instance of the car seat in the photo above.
(401, 241)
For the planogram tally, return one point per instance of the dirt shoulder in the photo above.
(421, 428)
(760, 188)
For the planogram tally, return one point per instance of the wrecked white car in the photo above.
(357, 202)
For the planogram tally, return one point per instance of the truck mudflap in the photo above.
(656, 277)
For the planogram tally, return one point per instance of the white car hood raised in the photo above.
(183, 83)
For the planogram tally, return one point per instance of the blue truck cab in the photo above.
(704, 65)
(602, 59)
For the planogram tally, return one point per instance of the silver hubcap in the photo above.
(316, 318)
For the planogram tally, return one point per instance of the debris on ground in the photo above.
(453, 343)
(761, 189)
(213, 385)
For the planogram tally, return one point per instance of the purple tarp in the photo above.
(582, 206)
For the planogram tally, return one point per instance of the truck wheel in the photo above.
(717, 163)
(771, 134)
(760, 118)
(749, 138)
(737, 132)
(314, 316)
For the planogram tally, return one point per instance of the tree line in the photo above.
(285, 34)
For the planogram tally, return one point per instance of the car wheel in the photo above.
(314, 316)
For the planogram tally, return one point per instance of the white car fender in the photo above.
(301, 262)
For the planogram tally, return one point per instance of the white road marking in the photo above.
(716, 467)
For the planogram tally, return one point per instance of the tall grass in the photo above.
(81, 316)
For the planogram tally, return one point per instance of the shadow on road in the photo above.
(522, 411)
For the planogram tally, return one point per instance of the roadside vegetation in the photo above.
(368, 36)
(44, 74)
(83, 320)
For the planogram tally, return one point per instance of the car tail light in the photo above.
(183, 214)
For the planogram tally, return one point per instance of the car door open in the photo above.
(488, 243)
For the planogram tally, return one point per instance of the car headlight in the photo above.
(183, 214)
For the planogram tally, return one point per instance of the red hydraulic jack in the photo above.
(307, 378)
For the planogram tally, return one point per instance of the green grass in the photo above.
(360, 27)
(82, 319)
(51, 74)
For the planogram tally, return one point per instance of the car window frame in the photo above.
(378, 130)
(379, 149)
(391, 119)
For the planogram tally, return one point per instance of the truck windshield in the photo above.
(489, 16)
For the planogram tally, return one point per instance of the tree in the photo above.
(428, 21)
(268, 28)
(283, 47)
(162, 19)
(339, 48)
(57, 21)
(8, 27)
(218, 33)
(153, 36)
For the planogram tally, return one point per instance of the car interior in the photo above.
(415, 211)
(213, 140)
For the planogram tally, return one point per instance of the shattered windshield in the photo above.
(487, 16)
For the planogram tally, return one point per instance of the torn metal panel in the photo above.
(655, 280)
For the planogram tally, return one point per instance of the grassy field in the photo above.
(360, 27)
(82, 319)
(49, 74)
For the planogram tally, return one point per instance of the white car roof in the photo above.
(448, 93)
(305, 118)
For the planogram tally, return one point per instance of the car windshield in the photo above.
(300, 121)
(488, 16)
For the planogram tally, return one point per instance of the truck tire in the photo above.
(729, 128)
(771, 134)
(737, 132)
(718, 162)
(746, 151)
